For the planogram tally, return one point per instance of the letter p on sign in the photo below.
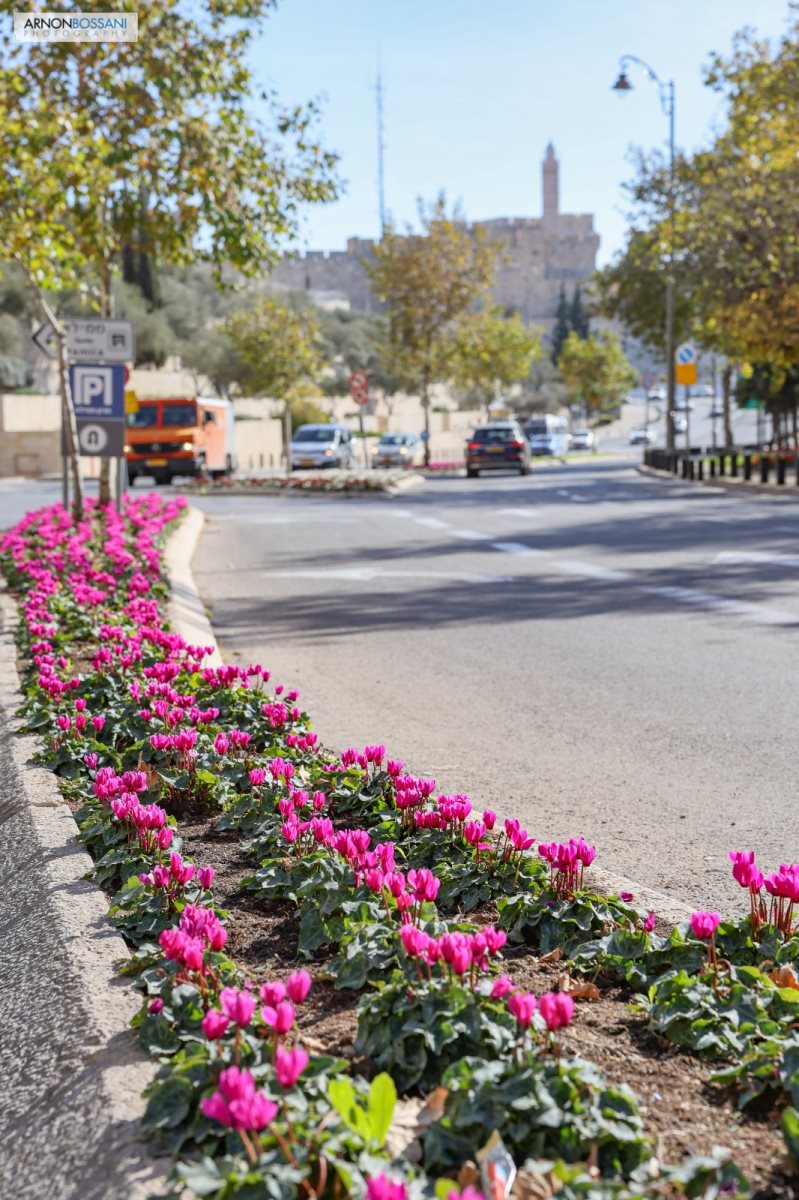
(93, 389)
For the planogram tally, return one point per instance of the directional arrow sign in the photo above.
(44, 339)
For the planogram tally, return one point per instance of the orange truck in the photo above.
(179, 436)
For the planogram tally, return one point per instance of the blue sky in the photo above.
(474, 91)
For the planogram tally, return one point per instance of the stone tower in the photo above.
(550, 171)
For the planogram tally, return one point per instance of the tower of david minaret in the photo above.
(550, 171)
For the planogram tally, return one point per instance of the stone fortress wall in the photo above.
(543, 254)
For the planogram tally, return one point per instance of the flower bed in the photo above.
(347, 482)
(424, 922)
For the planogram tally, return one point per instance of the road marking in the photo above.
(369, 574)
(574, 567)
(520, 511)
(578, 499)
(471, 535)
(757, 556)
(761, 614)
(431, 522)
(519, 548)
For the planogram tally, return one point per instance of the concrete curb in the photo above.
(736, 486)
(670, 911)
(187, 614)
(258, 493)
(87, 1058)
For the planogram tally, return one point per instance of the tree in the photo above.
(562, 325)
(544, 390)
(487, 352)
(596, 371)
(428, 281)
(278, 346)
(578, 317)
(149, 144)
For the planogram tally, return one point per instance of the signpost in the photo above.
(685, 364)
(359, 391)
(100, 341)
(98, 397)
(45, 339)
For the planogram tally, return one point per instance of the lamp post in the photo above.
(666, 91)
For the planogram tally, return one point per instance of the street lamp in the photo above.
(666, 91)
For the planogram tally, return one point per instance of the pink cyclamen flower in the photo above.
(489, 818)
(237, 1104)
(627, 897)
(238, 1005)
(649, 923)
(289, 1065)
(557, 1009)
(214, 1024)
(206, 876)
(468, 1193)
(221, 743)
(273, 993)
(521, 1005)
(501, 987)
(280, 1018)
(381, 1187)
(704, 924)
(155, 1006)
(298, 986)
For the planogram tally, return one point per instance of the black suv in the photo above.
(500, 446)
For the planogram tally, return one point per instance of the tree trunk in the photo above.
(726, 379)
(426, 410)
(67, 408)
(794, 421)
(106, 305)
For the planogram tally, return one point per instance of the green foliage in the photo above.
(596, 370)
(416, 1030)
(487, 351)
(543, 1108)
(278, 346)
(551, 922)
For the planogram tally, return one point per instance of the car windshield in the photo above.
(495, 434)
(145, 418)
(393, 439)
(179, 414)
(314, 435)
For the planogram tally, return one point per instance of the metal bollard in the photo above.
(781, 471)
(734, 465)
(747, 467)
(700, 467)
(764, 468)
(712, 468)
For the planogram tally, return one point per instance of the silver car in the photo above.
(398, 450)
(322, 446)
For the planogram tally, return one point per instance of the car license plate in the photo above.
(308, 462)
(156, 462)
(496, 449)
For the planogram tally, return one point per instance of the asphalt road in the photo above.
(592, 651)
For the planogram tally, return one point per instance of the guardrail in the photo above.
(780, 467)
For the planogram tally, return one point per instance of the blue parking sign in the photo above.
(98, 390)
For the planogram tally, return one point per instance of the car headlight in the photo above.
(187, 445)
(328, 453)
(126, 449)
(403, 449)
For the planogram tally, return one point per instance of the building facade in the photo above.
(542, 254)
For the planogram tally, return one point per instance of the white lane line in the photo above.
(578, 499)
(592, 570)
(734, 558)
(431, 522)
(761, 614)
(519, 548)
(566, 494)
(471, 535)
(369, 574)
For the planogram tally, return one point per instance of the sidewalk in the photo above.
(788, 491)
(71, 1068)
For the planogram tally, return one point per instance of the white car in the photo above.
(582, 439)
(642, 436)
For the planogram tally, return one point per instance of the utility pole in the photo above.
(381, 149)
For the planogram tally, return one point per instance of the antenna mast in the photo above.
(381, 146)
